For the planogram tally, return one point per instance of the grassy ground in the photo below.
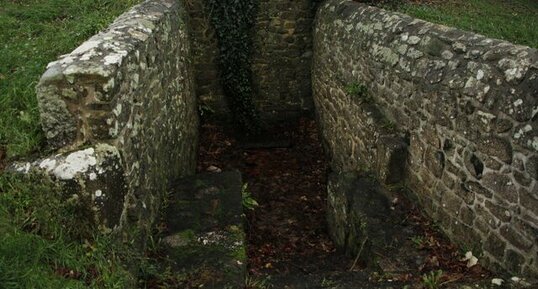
(40, 242)
(33, 33)
(512, 20)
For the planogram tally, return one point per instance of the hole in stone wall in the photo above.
(478, 166)
(468, 108)
(447, 145)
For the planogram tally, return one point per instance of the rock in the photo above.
(496, 147)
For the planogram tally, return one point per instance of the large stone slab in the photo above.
(358, 215)
(206, 238)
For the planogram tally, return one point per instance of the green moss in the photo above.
(188, 235)
(239, 252)
(359, 91)
(434, 47)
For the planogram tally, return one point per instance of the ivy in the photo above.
(233, 20)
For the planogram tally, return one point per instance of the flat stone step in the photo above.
(206, 239)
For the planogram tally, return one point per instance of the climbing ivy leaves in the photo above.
(233, 21)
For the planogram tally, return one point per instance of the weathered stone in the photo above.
(131, 86)
(477, 188)
(516, 239)
(392, 157)
(495, 246)
(357, 208)
(503, 125)
(497, 147)
(531, 166)
(501, 213)
(467, 216)
(435, 161)
(451, 202)
(94, 177)
(528, 199)
(514, 261)
(502, 186)
(473, 164)
(522, 178)
(338, 207)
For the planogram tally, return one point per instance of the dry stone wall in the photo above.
(131, 89)
(282, 55)
(456, 112)
(281, 58)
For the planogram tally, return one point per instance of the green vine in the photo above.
(233, 20)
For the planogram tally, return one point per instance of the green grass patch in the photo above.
(41, 245)
(34, 33)
(515, 21)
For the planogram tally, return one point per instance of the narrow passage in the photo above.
(286, 233)
(288, 244)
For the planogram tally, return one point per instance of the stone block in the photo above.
(502, 186)
(205, 234)
(391, 159)
(496, 147)
(93, 177)
(358, 214)
(435, 161)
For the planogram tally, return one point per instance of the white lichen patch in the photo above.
(534, 143)
(518, 102)
(480, 74)
(485, 117)
(86, 46)
(75, 163)
(113, 59)
(22, 167)
(221, 238)
(47, 164)
(522, 131)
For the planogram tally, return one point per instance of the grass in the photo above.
(39, 247)
(34, 33)
(515, 21)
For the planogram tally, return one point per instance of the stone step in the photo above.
(206, 239)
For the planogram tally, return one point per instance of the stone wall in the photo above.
(205, 53)
(282, 55)
(454, 111)
(282, 52)
(131, 89)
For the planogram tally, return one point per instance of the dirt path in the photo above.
(287, 233)
(289, 185)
